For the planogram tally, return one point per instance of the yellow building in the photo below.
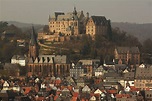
(97, 25)
(66, 24)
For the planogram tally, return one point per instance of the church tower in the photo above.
(33, 45)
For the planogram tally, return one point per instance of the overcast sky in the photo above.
(37, 11)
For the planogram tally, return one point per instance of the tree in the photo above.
(46, 28)
(147, 46)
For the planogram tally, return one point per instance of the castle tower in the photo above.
(33, 45)
(75, 22)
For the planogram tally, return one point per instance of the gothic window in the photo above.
(40, 68)
(30, 68)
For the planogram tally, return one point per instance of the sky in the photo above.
(38, 11)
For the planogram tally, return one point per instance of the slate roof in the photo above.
(61, 59)
(18, 57)
(129, 76)
(127, 49)
(59, 16)
(33, 40)
(99, 20)
(143, 73)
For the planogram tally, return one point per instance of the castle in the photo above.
(62, 26)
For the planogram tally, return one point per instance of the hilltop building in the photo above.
(63, 27)
(97, 25)
(66, 24)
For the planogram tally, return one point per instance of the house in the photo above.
(99, 71)
(21, 43)
(148, 95)
(80, 82)
(89, 64)
(126, 99)
(108, 85)
(11, 69)
(98, 91)
(112, 76)
(143, 77)
(131, 55)
(19, 59)
(78, 71)
(129, 79)
(97, 25)
(93, 98)
(86, 89)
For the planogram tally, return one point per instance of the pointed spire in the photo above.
(33, 37)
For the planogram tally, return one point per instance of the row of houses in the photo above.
(111, 85)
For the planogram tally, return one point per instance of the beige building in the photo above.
(97, 25)
(67, 24)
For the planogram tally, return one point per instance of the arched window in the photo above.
(40, 69)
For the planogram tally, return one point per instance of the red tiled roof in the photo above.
(123, 95)
(27, 89)
(75, 94)
(97, 95)
(56, 97)
(70, 88)
(133, 88)
(57, 93)
(74, 99)
(112, 91)
(57, 81)
(40, 99)
(29, 74)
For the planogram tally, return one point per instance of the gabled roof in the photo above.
(93, 98)
(98, 91)
(30, 60)
(41, 60)
(99, 20)
(36, 60)
(18, 57)
(127, 49)
(86, 89)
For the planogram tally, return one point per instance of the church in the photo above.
(46, 65)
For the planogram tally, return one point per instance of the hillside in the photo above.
(141, 31)
(25, 26)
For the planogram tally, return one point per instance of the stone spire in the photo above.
(33, 45)
(33, 40)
